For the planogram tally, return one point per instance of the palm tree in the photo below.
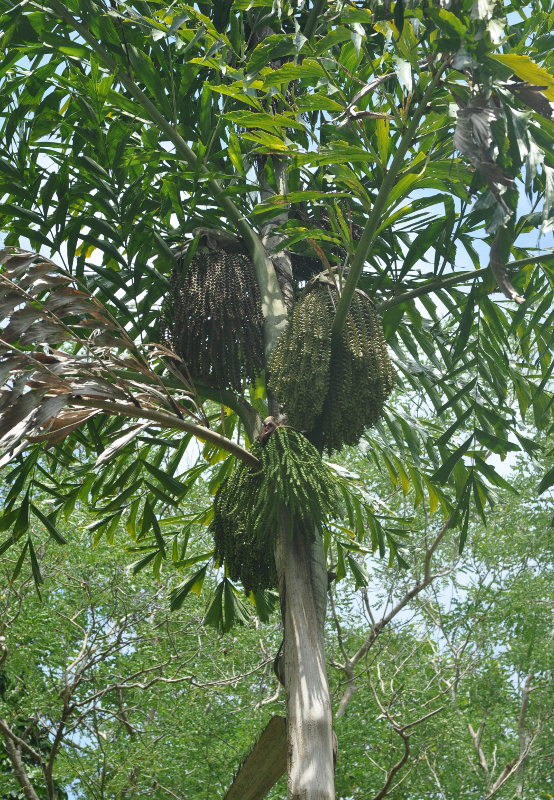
(241, 205)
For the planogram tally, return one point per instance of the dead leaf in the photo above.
(473, 137)
(499, 271)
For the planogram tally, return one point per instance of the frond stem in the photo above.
(370, 231)
(170, 421)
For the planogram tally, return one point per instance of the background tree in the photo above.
(322, 138)
(141, 700)
(457, 673)
(125, 697)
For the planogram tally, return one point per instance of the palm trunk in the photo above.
(302, 587)
(303, 593)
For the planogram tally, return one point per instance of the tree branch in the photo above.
(435, 776)
(432, 286)
(429, 551)
(21, 743)
(377, 627)
(524, 738)
(423, 718)
(476, 739)
(17, 764)
(461, 277)
(347, 667)
(404, 757)
(525, 743)
(398, 766)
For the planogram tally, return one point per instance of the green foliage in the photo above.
(317, 378)
(126, 682)
(152, 682)
(464, 650)
(294, 483)
(418, 141)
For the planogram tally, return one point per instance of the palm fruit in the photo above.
(362, 377)
(331, 390)
(212, 318)
(248, 506)
(299, 364)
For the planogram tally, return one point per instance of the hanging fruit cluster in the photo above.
(248, 505)
(212, 319)
(333, 390)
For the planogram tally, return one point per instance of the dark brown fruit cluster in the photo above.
(212, 319)
(333, 391)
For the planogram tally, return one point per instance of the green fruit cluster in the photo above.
(333, 390)
(299, 364)
(249, 506)
(247, 557)
(212, 318)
